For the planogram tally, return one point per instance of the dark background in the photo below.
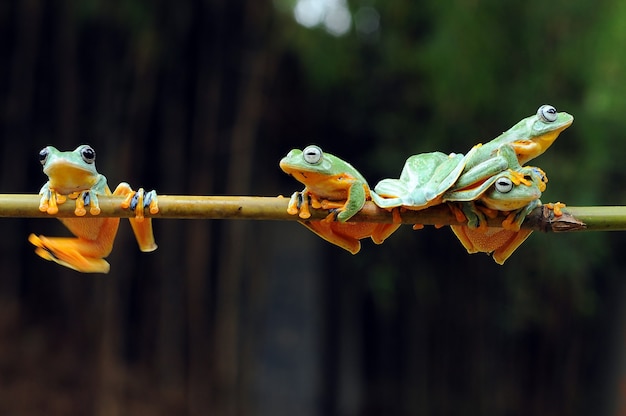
(265, 318)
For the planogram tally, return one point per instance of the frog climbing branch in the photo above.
(607, 218)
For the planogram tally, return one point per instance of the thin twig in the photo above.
(275, 208)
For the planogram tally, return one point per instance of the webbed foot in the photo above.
(83, 199)
(556, 208)
(299, 204)
(514, 220)
(63, 251)
(50, 201)
(138, 201)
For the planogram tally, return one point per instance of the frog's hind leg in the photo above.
(327, 230)
(138, 201)
(388, 193)
(383, 231)
(504, 252)
(68, 252)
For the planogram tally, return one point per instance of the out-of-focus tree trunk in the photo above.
(199, 257)
(234, 266)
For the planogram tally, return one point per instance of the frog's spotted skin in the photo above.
(331, 183)
(73, 175)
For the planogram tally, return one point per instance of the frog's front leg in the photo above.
(357, 194)
(476, 218)
(514, 220)
(299, 204)
(343, 210)
(556, 207)
(86, 198)
(50, 200)
(138, 201)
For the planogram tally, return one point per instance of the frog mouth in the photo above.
(66, 179)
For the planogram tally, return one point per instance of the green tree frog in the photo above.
(526, 140)
(73, 175)
(423, 180)
(333, 184)
(514, 193)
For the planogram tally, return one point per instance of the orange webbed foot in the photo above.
(50, 201)
(64, 251)
(299, 205)
(138, 201)
(510, 223)
(292, 205)
(556, 207)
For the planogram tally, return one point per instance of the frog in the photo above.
(514, 194)
(73, 175)
(423, 180)
(426, 177)
(332, 184)
(526, 140)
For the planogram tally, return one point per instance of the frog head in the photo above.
(506, 191)
(533, 135)
(311, 163)
(70, 171)
(323, 174)
(514, 190)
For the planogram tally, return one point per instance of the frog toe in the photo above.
(151, 202)
(511, 223)
(137, 204)
(556, 208)
(137, 201)
(142, 200)
(294, 202)
(35, 240)
(91, 200)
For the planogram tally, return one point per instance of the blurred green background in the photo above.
(265, 318)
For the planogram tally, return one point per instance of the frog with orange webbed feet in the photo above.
(335, 185)
(513, 193)
(73, 175)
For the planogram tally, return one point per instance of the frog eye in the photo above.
(312, 154)
(504, 185)
(43, 155)
(547, 113)
(88, 154)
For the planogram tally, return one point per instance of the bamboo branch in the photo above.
(275, 208)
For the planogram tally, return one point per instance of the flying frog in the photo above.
(526, 140)
(333, 184)
(514, 193)
(426, 177)
(73, 175)
(423, 180)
